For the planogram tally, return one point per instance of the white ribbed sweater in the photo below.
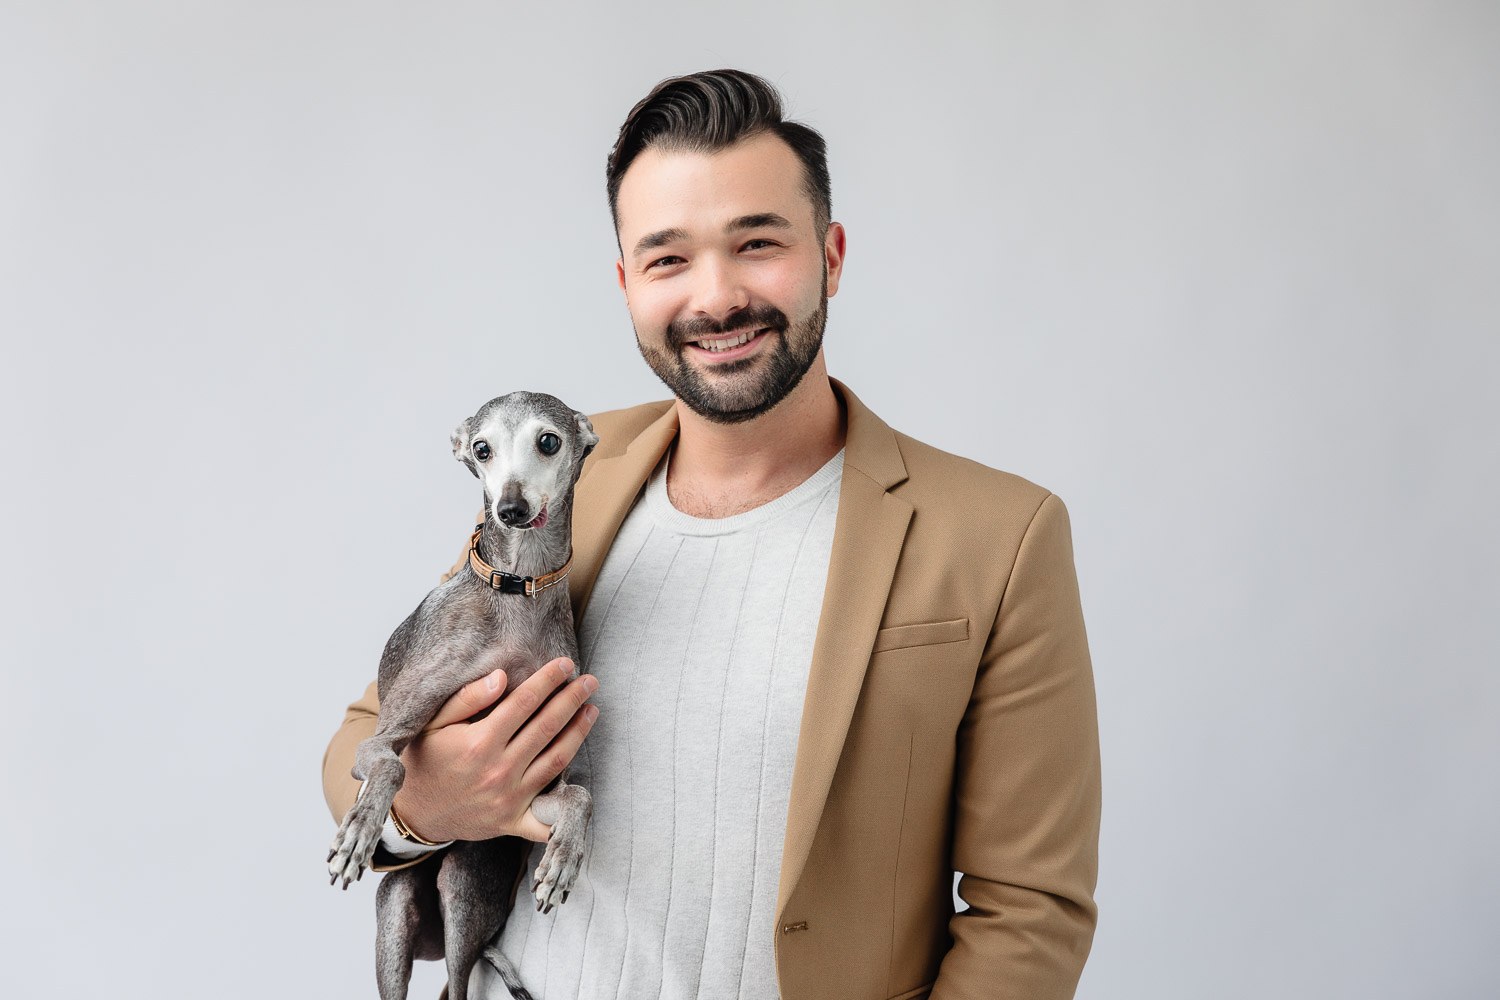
(700, 632)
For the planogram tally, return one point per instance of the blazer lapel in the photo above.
(603, 496)
(867, 541)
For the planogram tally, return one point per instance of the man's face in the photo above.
(726, 279)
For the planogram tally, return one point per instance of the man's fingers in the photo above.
(471, 698)
(551, 761)
(520, 704)
(542, 728)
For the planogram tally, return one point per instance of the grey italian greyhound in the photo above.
(509, 608)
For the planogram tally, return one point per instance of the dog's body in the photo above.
(466, 627)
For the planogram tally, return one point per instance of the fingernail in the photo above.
(590, 684)
(591, 713)
(492, 681)
(564, 668)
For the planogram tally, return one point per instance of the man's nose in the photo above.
(718, 290)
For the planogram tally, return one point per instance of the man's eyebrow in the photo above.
(760, 220)
(660, 238)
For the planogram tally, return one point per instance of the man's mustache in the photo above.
(684, 332)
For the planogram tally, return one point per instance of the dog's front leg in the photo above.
(567, 809)
(353, 845)
(377, 761)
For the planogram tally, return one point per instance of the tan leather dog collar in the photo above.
(510, 583)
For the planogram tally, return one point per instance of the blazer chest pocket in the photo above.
(924, 634)
(918, 682)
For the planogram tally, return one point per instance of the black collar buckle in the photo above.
(508, 583)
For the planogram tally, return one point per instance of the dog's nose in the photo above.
(511, 513)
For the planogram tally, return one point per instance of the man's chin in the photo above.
(722, 407)
(725, 415)
(734, 390)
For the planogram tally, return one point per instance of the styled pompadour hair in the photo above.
(709, 111)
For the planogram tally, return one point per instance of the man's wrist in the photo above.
(399, 840)
(407, 833)
(399, 847)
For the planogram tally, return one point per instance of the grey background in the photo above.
(1222, 276)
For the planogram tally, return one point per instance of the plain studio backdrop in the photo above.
(1222, 276)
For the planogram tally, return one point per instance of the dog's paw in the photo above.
(354, 844)
(558, 870)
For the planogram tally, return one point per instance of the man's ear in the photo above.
(586, 436)
(835, 247)
(460, 441)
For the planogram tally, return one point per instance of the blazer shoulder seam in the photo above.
(1010, 578)
(909, 446)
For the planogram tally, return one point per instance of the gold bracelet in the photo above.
(406, 831)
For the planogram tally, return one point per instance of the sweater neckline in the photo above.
(667, 516)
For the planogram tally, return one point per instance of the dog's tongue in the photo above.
(539, 520)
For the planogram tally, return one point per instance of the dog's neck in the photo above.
(529, 551)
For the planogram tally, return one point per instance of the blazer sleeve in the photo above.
(340, 788)
(1027, 788)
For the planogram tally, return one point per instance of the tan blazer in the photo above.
(949, 724)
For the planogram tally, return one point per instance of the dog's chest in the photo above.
(527, 633)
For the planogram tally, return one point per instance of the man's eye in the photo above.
(757, 244)
(664, 262)
(548, 443)
(481, 451)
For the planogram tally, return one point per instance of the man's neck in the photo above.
(723, 469)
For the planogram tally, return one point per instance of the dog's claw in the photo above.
(539, 906)
(558, 868)
(354, 843)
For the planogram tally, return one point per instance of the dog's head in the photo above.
(527, 448)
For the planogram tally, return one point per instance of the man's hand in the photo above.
(473, 780)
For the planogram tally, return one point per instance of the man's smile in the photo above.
(730, 346)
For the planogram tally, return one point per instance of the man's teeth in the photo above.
(726, 344)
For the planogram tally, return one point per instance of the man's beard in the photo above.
(744, 389)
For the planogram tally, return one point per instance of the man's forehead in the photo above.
(690, 191)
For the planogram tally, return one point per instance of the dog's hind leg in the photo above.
(472, 893)
(408, 926)
(567, 809)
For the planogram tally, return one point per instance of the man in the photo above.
(834, 664)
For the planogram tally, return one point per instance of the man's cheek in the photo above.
(797, 290)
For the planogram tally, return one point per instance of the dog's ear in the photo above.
(586, 436)
(460, 441)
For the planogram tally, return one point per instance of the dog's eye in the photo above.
(548, 443)
(481, 451)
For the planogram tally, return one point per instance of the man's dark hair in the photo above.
(710, 111)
